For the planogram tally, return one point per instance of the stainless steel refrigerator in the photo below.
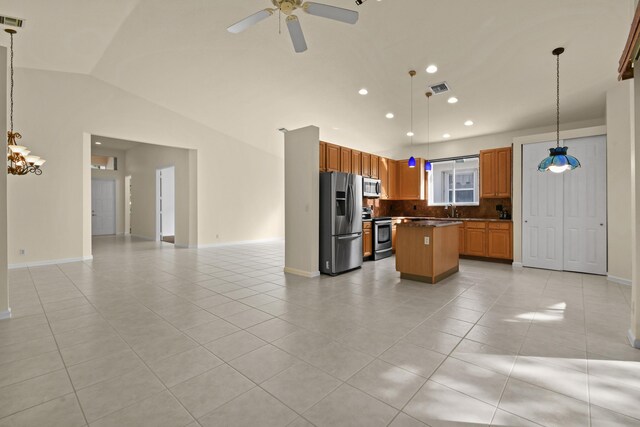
(340, 222)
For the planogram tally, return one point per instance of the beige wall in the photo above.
(117, 176)
(634, 331)
(4, 291)
(142, 163)
(619, 137)
(58, 112)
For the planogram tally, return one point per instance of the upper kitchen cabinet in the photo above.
(332, 158)
(356, 162)
(410, 181)
(323, 156)
(383, 175)
(392, 184)
(366, 165)
(495, 173)
(345, 160)
(375, 166)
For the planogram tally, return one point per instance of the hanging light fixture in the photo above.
(412, 160)
(427, 165)
(19, 158)
(558, 161)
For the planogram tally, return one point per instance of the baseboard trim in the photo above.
(49, 262)
(635, 342)
(6, 314)
(517, 265)
(240, 242)
(618, 280)
(302, 273)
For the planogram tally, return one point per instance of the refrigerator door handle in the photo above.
(354, 236)
(348, 203)
(353, 203)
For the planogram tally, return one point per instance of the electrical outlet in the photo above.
(22, 251)
(426, 240)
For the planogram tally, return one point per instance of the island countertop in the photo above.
(429, 223)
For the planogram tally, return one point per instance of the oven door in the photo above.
(382, 239)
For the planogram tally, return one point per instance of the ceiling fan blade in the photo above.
(331, 12)
(295, 31)
(250, 21)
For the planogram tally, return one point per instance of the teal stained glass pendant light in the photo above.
(412, 160)
(558, 161)
(427, 165)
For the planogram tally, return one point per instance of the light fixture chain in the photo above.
(11, 93)
(558, 100)
(411, 96)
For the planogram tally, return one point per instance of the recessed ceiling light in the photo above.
(431, 69)
(410, 134)
(390, 116)
(452, 100)
(363, 91)
(446, 135)
(98, 143)
(468, 123)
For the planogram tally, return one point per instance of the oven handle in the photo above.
(384, 250)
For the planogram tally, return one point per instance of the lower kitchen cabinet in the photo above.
(393, 237)
(367, 239)
(475, 239)
(461, 244)
(487, 239)
(499, 241)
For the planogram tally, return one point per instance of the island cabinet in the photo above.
(332, 158)
(345, 160)
(367, 239)
(495, 173)
(366, 165)
(410, 181)
(394, 229)
(375, 167)
(461, 238)
(356, 162)
(323, 156)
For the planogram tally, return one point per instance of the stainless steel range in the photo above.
(382, 245)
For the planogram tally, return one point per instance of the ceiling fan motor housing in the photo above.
(287, 6)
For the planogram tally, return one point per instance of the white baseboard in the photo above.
(517, 265)
(301, 273)
(635, 342)
(241, 242)
(618, 280)
(49, 262)
(6, 314)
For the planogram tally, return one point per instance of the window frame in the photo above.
(451, 179)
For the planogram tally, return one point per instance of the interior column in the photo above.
(5, 311)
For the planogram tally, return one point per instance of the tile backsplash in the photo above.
(486, 209)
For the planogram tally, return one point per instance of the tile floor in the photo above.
(151, 335)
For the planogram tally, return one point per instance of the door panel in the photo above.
(103, 207)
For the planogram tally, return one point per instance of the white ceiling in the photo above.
(495, 54)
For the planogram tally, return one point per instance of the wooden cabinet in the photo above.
(461, 234)
(499, 240)
(475, 239)
(495, 173)
(323, 156)
(393, 179)
(374, 166)
(393, 237)
(345, 160)
(356, 162)
(383, 175)
(332, 158)
(410, 181)
(366, 165)
(367, 239)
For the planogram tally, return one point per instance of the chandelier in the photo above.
(19, 158)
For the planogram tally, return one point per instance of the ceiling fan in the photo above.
(293, 24)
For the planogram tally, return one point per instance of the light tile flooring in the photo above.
(151, 335)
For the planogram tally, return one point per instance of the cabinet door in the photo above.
(503, 178)
(411, 180)
(374, 166)
(367, 242)
(356, 162)
(461, 234)
(345, 160)
(323, 156)
(366, 165)
(488, 173)
(499, 240)
(393, 179)
(333, 158)
(393, 238)
(475, 239)
(383, 174)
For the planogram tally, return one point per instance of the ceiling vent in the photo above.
(440, 88)
(12, 22)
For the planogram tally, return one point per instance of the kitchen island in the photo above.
(427, 251)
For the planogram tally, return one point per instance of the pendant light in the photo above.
(558, 161)
(412, 160)
(19, 160)
(427, 165)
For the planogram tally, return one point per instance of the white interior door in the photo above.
(103, 207)
(542, 209)
(166, 206)
(585, 207)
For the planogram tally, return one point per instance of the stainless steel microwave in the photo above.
(371, 188)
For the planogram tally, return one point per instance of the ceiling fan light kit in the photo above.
(293, 24)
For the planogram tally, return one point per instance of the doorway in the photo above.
(166, 204)
(103, 207)
(564, 224)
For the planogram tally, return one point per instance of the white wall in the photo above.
(619, 138)
(302, 201)
(4, 286)
(57, 113)
(117, 176)
(143, 162)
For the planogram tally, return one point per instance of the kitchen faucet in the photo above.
(452, 213)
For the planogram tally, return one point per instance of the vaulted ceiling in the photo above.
(495, 55)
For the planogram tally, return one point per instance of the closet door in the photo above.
(542, 211)
(585, 207)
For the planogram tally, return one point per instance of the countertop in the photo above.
(429, 223)
(422, 218)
